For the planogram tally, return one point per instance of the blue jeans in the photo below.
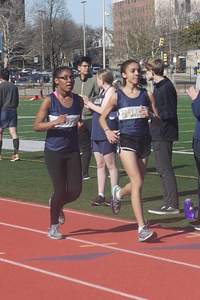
(163, 159)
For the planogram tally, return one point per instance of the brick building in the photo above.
(130, 16)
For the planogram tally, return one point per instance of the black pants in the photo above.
(85, 145)
(196, 148)
(163, 158)
(65, 172)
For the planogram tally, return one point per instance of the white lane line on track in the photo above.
(95, 286)
(110, 247)
(70, 211)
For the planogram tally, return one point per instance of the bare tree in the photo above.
(57, 30)
(12, 23)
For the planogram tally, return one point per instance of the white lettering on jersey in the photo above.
(71, 120)
(132, 112)
(98, 101)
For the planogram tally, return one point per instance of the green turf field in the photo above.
(28, 180)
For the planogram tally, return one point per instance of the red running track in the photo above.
(99, 258)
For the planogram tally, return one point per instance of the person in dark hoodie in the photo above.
(163, 137)
(195, 96)
(86, 85)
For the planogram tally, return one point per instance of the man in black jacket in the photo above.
(163, 137)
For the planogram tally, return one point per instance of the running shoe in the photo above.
(172, 210)
(164, 210)
(145, 234)
(107, 203)
(86, 177)
(115, 203)
(159, 211)
(195, 224)
(15, 157)
(98, 201)
(54, 232)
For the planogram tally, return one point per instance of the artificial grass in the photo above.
(28, 179)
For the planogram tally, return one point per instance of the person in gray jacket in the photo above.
(86, 85)
(9, 101)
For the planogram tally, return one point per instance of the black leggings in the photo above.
(66, 175)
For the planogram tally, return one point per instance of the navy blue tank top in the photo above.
(98, 133)
(63, 137)
(131, 121)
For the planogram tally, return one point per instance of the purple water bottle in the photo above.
(189, 209)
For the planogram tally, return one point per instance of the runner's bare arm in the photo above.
(111, 134)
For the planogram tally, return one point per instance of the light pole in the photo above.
(103, 37)
(170, 32)
(84, 43)
(41, 12)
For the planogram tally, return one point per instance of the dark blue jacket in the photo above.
(196, 112)
(166, 102)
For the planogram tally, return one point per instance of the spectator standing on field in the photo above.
(195, 96)
(162, 137)
(41, 86)
(9, 100)
(86, 85)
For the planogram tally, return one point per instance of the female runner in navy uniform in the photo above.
(135, 106)
(104, 151)
(63, 110)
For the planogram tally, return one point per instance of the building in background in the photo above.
(133, 18)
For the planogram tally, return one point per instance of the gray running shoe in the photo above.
(115, 204)
(54, 232)
(145, 234)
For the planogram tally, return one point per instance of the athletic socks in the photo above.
(118, 196)
(16, 145)
(102, 195)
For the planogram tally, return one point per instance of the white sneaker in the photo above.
(146, 234)
(54, 232)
